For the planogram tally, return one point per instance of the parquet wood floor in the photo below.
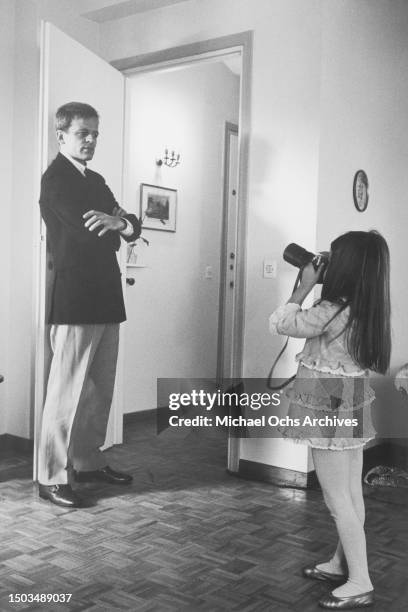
(185, 536)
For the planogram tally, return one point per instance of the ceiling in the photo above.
(101, 11)
(109, 10)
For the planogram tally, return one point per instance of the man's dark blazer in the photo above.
(87, 287)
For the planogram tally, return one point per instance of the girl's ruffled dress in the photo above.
(330, 398)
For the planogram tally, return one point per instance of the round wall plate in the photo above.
(360, 190)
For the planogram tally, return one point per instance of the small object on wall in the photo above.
(135, 253)
(360, 190)
(208, 272)
(270, 268)
(158, 207)
(401, 380)
(171, 160)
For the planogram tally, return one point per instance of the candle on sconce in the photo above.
(171, 161)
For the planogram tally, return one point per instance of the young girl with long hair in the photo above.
(348, 334)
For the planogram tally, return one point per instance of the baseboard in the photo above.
(277, 476)
(381, 454)
(384, 453)
(139, 417)
(17, 444)
(9, 442)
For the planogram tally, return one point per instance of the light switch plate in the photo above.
(270, 268)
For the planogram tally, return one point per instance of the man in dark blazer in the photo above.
(84, 225)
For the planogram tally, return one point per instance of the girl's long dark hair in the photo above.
(358, 276)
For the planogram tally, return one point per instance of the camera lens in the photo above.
(297, 256)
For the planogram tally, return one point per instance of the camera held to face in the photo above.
(298, 256)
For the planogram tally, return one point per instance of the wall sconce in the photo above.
(171, 160)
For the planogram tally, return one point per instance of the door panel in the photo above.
(70, 72)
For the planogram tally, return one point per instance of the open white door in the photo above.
(70, 72)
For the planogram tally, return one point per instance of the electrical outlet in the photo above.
(208, 272)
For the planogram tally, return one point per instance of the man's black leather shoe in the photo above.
(60, 494)
(106, 474)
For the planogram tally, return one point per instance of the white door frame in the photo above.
(187, 55)
(226, 261)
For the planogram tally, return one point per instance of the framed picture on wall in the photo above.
(158, 207)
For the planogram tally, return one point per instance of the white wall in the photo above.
(64, 15)
(172, 309)
(6, 131)
(25, 190)
(364, 124)
(283, 173)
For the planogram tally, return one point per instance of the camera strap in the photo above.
(270, 375)
(283, 349)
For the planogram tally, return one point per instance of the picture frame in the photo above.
(158, 207)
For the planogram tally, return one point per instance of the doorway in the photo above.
(240, 43)
(174, 327)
